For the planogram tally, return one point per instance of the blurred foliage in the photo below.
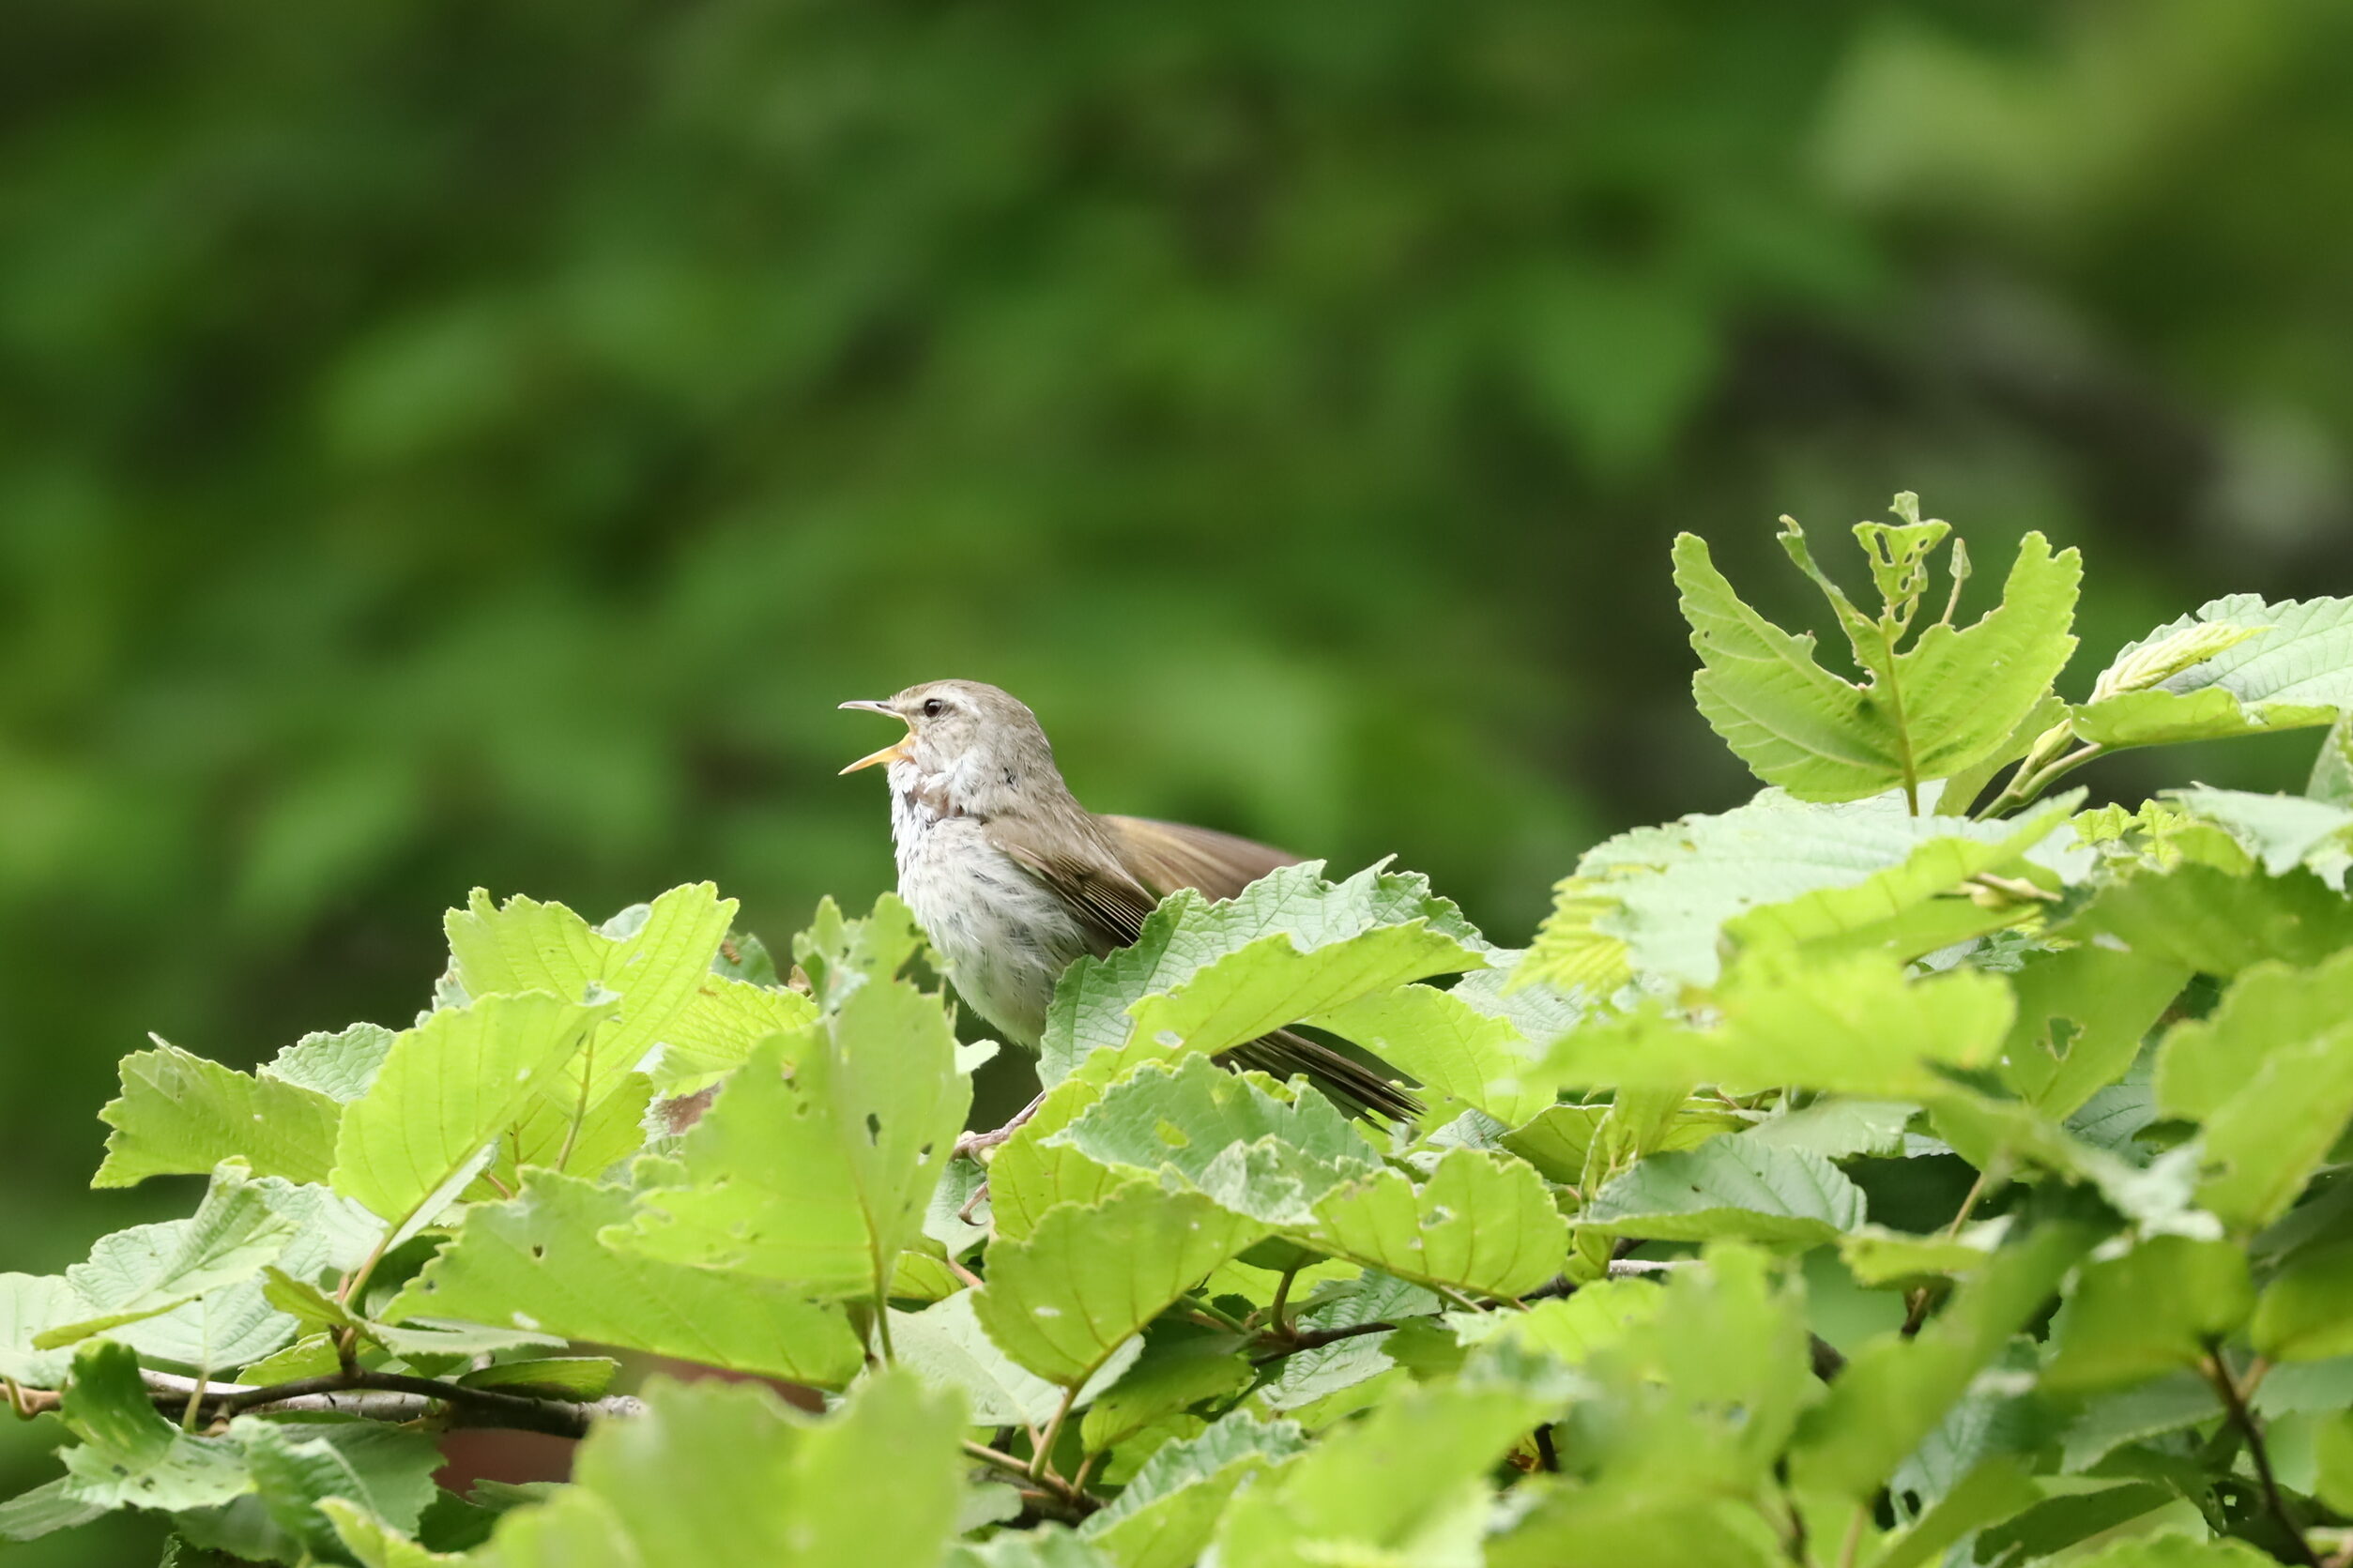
(448, 444)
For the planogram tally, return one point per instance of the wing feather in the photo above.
(1166, 855)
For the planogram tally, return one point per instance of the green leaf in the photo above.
(1850, 1025)
(1571, 1330)
(1211, 975)
(945, 1345)
(2253, 666)
(1172, 1373)
(447, 1088)
(1990, 1493)
(2082, 1013)
(1035, 1171)
(2154, 1310)
(1877, 1256)
(31, 1304)
(1166, 1513)
(233, 1234)
(1062, 1300)
(537, 1263)
(2281, 831)
(2204, 1063)
(564, 1376)
(660, 970)
(1895, 1391)
(1926, 711)
(341, 1065)
(374, 1542)
(2306, 1313)
(1483, 1222)
(179, 1115)
(1405, 1484)
(727, 1474)
(1203, 1129)
(45, 1510)
(1836, 1129)
(716, 1032)
(1728, 1187)
(297, 1465)
(1464, 1045)
(2270, 1074)
(1658, 901)
(2212, 920)
(2176, 1551)
(824, 1179)
(1922, 903)
(129, 1455)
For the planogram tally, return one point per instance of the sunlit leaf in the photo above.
(181, 1114)
(1064, 1299)
(1482, 1223)
(1208, 976)
(446, 1090)
(1165, 1515)
(129, 1455)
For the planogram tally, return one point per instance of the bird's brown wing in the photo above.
(1086, 876)
(1166, 855)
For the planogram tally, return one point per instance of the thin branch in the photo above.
(2234, 1401)
(1050, 1485)
(390, 1396)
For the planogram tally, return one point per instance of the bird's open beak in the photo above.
(895, 752)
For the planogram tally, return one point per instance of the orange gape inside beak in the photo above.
(895, 752)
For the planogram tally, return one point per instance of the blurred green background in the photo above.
(452, 443)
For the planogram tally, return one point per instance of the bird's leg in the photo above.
(970, 1144)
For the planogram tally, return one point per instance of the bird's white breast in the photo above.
(1004, 936)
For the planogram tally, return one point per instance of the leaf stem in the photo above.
(1282, 1295)
(1040, 1467)
(1054, 1486)
(2234, 1401)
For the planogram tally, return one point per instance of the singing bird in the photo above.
(1014, 880)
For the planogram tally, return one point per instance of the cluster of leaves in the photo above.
(1847, 1178)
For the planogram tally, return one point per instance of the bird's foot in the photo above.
(971, 1146)
(980, 1195)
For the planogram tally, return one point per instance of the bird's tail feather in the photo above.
(1283, 1053)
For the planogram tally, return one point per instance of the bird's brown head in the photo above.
(963, 737)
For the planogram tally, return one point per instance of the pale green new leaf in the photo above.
(179, 1115)
(1928, 710)
(1200, 1128)
(446, 1090)
(1166, 1513)
(129, 1456)
(536, 1263)
(1728, 1188)
(376, 1543)
(1208, 976)
(1571, 1330)
(1063, 1300)
(2259, 667)
(564, 1376)
(2177, 1551)
(717, 1030)
(1658, 901)
(1850, 1025)
(2204, 1062)
(1483, 1222)
(718, 1473)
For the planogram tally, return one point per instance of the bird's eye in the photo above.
(933, 707)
